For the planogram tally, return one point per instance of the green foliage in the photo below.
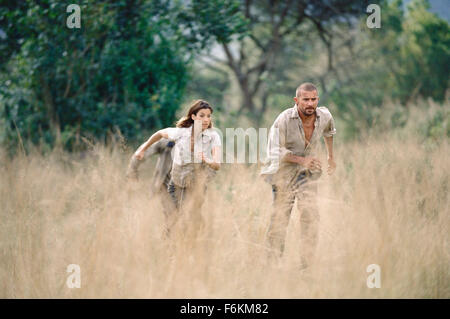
(129, 67)
(210, 86)
(406, 60)
(124, 70)
(426, 54)
(205, 21)
(416, 45)
(437, 126)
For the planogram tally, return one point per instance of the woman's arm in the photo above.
(140, 152)
(134, 163)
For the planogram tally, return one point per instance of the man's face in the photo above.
(307, 102)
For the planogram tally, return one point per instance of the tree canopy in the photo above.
(124, 70)
(128, 67)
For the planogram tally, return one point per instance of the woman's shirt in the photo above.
(184, 161)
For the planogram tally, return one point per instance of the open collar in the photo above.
(188, 132)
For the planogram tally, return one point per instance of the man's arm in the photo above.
(331, 162)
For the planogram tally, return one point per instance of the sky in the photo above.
(440, 7)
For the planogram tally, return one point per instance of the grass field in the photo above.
(387, 204)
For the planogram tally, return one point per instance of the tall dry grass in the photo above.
(387, 204)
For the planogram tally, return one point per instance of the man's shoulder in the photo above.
(286, 114)
(288, 111)
(323, 110)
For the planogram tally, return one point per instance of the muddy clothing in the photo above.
(189, 176)
(292, 181)
(161, 176)
(305, 191)
(200, 177)
(288, 137)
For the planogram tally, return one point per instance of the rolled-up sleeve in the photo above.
(330, 129)
(172, 132)
(216, 146)
(276, 147)
(215, 140)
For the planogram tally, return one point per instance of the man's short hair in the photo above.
(307, 86)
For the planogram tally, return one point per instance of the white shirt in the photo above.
(183, 158)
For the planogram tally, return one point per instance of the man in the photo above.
(161, 176)
(294, 168)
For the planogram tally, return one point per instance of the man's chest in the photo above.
(300, 136)
(308, 129)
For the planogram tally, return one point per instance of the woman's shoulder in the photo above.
(175, 132)
(214, 136)
(211, 132)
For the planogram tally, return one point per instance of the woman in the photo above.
(196, 157)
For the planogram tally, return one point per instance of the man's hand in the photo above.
(331, 166)
(311, 163)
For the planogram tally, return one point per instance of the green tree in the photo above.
(277, 32)
(125, 69)
(403, 61)
(425, 54)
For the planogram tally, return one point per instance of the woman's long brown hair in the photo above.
(196, 106)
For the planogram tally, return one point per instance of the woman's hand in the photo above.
(139, 154)
(214, 165)
(203, 158)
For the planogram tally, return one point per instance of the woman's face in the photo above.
(203, 115)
